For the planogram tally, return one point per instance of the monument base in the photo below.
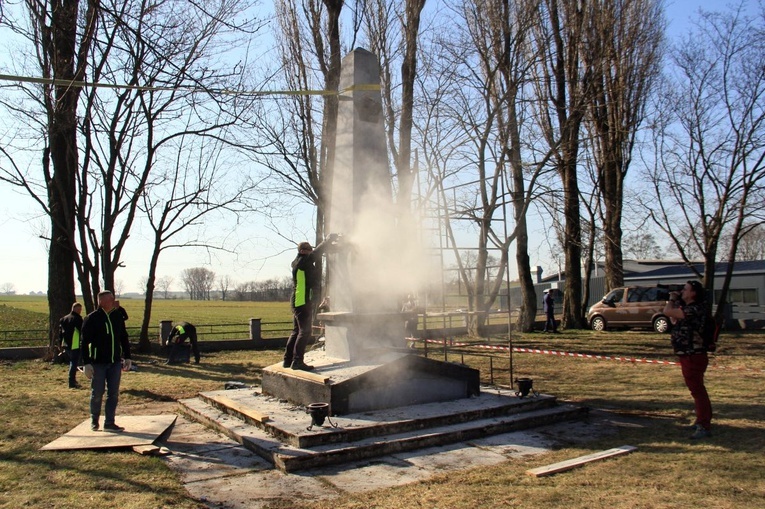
(350, 336)
(393, 380)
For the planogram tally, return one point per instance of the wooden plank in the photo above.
(146, 450)
(576, 462)
(139, 430)
(151, 450)
(299, 373)
(244, 410)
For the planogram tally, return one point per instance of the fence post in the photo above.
(165, 326)
(255, 329)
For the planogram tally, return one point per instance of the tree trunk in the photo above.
(612, 191)
(528, 313)
(572, 295)
(144, 342)
(62, 136)
(408, 75)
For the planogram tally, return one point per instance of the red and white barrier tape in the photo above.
(578, 355)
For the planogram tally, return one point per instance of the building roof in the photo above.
(739, 268)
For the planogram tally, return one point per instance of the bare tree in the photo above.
(156, 70)
(265, 291)
(200, 186)
(8, 288)
(163, 284)
(751, 246)
(60, 36)
(642, 246)
(562, 89)
(393, 29)
(592, 232)
(710, 143)
(300, 146)
(224, 283)
(198, 282)
(622, 50)
(485, 58)
(134, 134)
(301, 135)
(511, 30)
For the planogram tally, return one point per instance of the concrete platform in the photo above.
(278, 431)
(388, 379)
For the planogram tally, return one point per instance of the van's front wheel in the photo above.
(661, 324)
(598, 323)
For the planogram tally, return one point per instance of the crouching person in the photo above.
(179, 349)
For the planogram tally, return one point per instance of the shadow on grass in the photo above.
(149, 395)
(734, 427)
(247, 372)
(103, 468)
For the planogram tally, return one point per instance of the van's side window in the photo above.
(636, 294)
(651, 295)
(615, 296)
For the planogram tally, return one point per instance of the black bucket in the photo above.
(318, 412)
(525, 386)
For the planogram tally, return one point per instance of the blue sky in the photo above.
(263, 255)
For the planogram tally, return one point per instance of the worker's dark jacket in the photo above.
(103, 340)
(183, 331)
(69, 330)
(306, 275)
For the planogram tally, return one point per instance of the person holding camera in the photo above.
(687, 311)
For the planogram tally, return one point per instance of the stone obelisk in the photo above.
(364, 313)
(365, 364)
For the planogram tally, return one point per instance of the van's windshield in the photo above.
(614, 296)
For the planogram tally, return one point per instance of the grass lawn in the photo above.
(667, 471)
(194, 311)
(30, 313)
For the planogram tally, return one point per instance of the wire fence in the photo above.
(241, 331)
(213, 331)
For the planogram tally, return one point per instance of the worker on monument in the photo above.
(305, 279)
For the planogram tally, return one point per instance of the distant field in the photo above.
(192, 311)
(30, 313)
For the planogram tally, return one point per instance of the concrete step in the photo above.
(288, 421)
(284, 435)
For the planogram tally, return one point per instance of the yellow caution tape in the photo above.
(365, 87)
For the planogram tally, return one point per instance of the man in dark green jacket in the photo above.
(305, 278)
(105, 353)
(69, 330)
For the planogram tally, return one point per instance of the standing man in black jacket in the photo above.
(69, 330)
(105, 353)
(549, 308)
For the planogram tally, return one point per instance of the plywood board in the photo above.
(151, 450)
(139, 430)
(244, 410)
(299, 373)
(573, 463)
